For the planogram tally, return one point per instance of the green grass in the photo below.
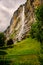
(27, 46)
(25, 52)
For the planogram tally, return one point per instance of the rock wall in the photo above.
(22, 19)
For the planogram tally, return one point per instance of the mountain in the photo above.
(22, 20)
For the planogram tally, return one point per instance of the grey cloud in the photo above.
(12, 3)
(7, 8)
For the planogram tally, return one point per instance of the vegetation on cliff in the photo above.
(37, 27)
(2, 39)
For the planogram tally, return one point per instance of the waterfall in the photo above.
(22, 24)
(23, 18)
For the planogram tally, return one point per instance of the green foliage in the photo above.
(5, 62)
(39, 13)
(41, 59)
(2, 39)
(37, 27)
(21, 60)
(34, 30)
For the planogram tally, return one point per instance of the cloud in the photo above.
(7, 8)
(2, 7)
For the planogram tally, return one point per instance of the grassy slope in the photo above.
(25, 52)
(27, 46)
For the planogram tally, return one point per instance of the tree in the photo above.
(39, 13)
(37, 27)
(2, 39)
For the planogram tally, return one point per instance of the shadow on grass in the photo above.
(5, 62)
(3, 53)
(3, 48)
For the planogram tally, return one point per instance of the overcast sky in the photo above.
(7, 8)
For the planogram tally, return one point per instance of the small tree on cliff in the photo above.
(2, 39)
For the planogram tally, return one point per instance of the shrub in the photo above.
(39, 13)
(2, 39)
(37, 27)
(34, 30)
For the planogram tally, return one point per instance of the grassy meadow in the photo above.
(26, 52)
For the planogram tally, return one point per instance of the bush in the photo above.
(34, 30)
(39, 13)
(10, 42)
(2, 39)
(37, 27)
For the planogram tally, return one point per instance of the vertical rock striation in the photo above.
(22, 19)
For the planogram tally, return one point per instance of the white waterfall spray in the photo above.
(22, 23)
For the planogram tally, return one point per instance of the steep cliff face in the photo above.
(22, 19)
